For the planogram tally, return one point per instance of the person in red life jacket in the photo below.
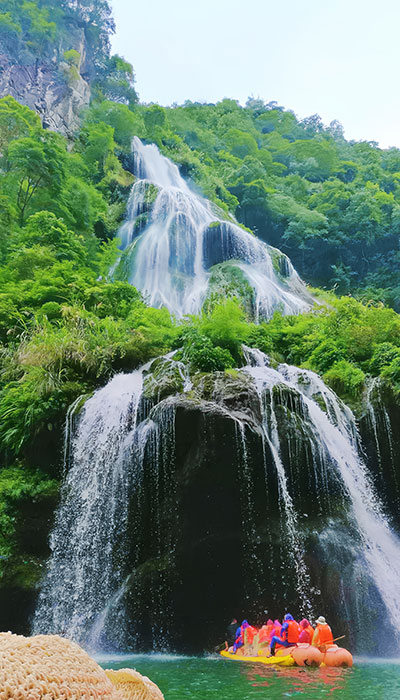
(306, 633)
(323, 637)
(265, 632)
(276, 630)
(289, 634)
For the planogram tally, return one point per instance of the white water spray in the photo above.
(84, 572)
(335, 431)
(174, 243)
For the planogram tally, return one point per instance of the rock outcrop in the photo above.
(56, 94)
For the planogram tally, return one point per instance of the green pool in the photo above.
(184, 678)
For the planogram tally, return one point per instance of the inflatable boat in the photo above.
(299, 655)
(267, 661)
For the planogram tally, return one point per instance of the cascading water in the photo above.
(335, 430)
(173, 237)
(114, 545)
(107, 447)
(88, 539)
(265, 379)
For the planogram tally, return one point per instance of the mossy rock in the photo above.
(123, 270)
(229, 280)
(166, 377)
(280, 263)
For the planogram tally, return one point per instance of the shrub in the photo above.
(345, 378)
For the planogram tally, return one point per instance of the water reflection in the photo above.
(299, 680)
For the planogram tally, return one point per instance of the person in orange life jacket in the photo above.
(289, 634)
(265, 632)
(306, 633)
(323, 636)
(249, 633)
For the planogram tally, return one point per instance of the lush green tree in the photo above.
(36, 164)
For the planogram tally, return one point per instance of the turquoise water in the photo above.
(184, 678)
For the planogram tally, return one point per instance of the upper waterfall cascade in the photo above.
(173, 237)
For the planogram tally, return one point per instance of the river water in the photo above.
(213, 678)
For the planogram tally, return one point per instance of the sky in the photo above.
(337, 58)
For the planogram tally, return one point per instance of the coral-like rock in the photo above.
(48, 667)
(134, 686)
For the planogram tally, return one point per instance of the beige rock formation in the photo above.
(48, 667)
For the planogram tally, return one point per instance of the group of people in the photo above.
(273, 634)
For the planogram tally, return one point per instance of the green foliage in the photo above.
(72, 57)
(20, 488)
(201, 354)
(383, 355)
(117, 82)
(31, 30)
(345, 378)
(35, 164)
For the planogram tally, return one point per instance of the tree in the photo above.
(118, 81)
(44, 229)
(37, 164)
(16, 121)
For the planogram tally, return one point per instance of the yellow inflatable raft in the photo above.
(277, 660)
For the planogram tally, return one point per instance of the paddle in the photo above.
(333, 640)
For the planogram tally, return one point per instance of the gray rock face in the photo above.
(45, 88)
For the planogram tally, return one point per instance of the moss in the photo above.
(140, 223)
(279, 263)
(165, 378)
(228, 280)
(151, 194)
(27, 500)
(123, 270)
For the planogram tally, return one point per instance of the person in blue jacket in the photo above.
(289, 634)
(239, 641)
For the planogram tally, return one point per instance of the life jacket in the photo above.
(249, 634)
(264, 633)
(325, 635)
(239, 638)
(305, 637)
(276, 631)
(292, 632)
(270, 631)
(311, 632)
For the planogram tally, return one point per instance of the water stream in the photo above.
(175, 240)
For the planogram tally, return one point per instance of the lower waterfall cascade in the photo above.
(113, 577)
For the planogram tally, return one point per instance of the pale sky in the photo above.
(337, 58)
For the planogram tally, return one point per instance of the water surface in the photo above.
(213, 678)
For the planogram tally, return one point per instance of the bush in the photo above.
(383, 355)
(200, 353)
(345, 378)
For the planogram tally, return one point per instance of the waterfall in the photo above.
(173, 238)
(335, 431)
(87, 543)
(108, 447)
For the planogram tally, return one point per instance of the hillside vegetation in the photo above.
(65, 328)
